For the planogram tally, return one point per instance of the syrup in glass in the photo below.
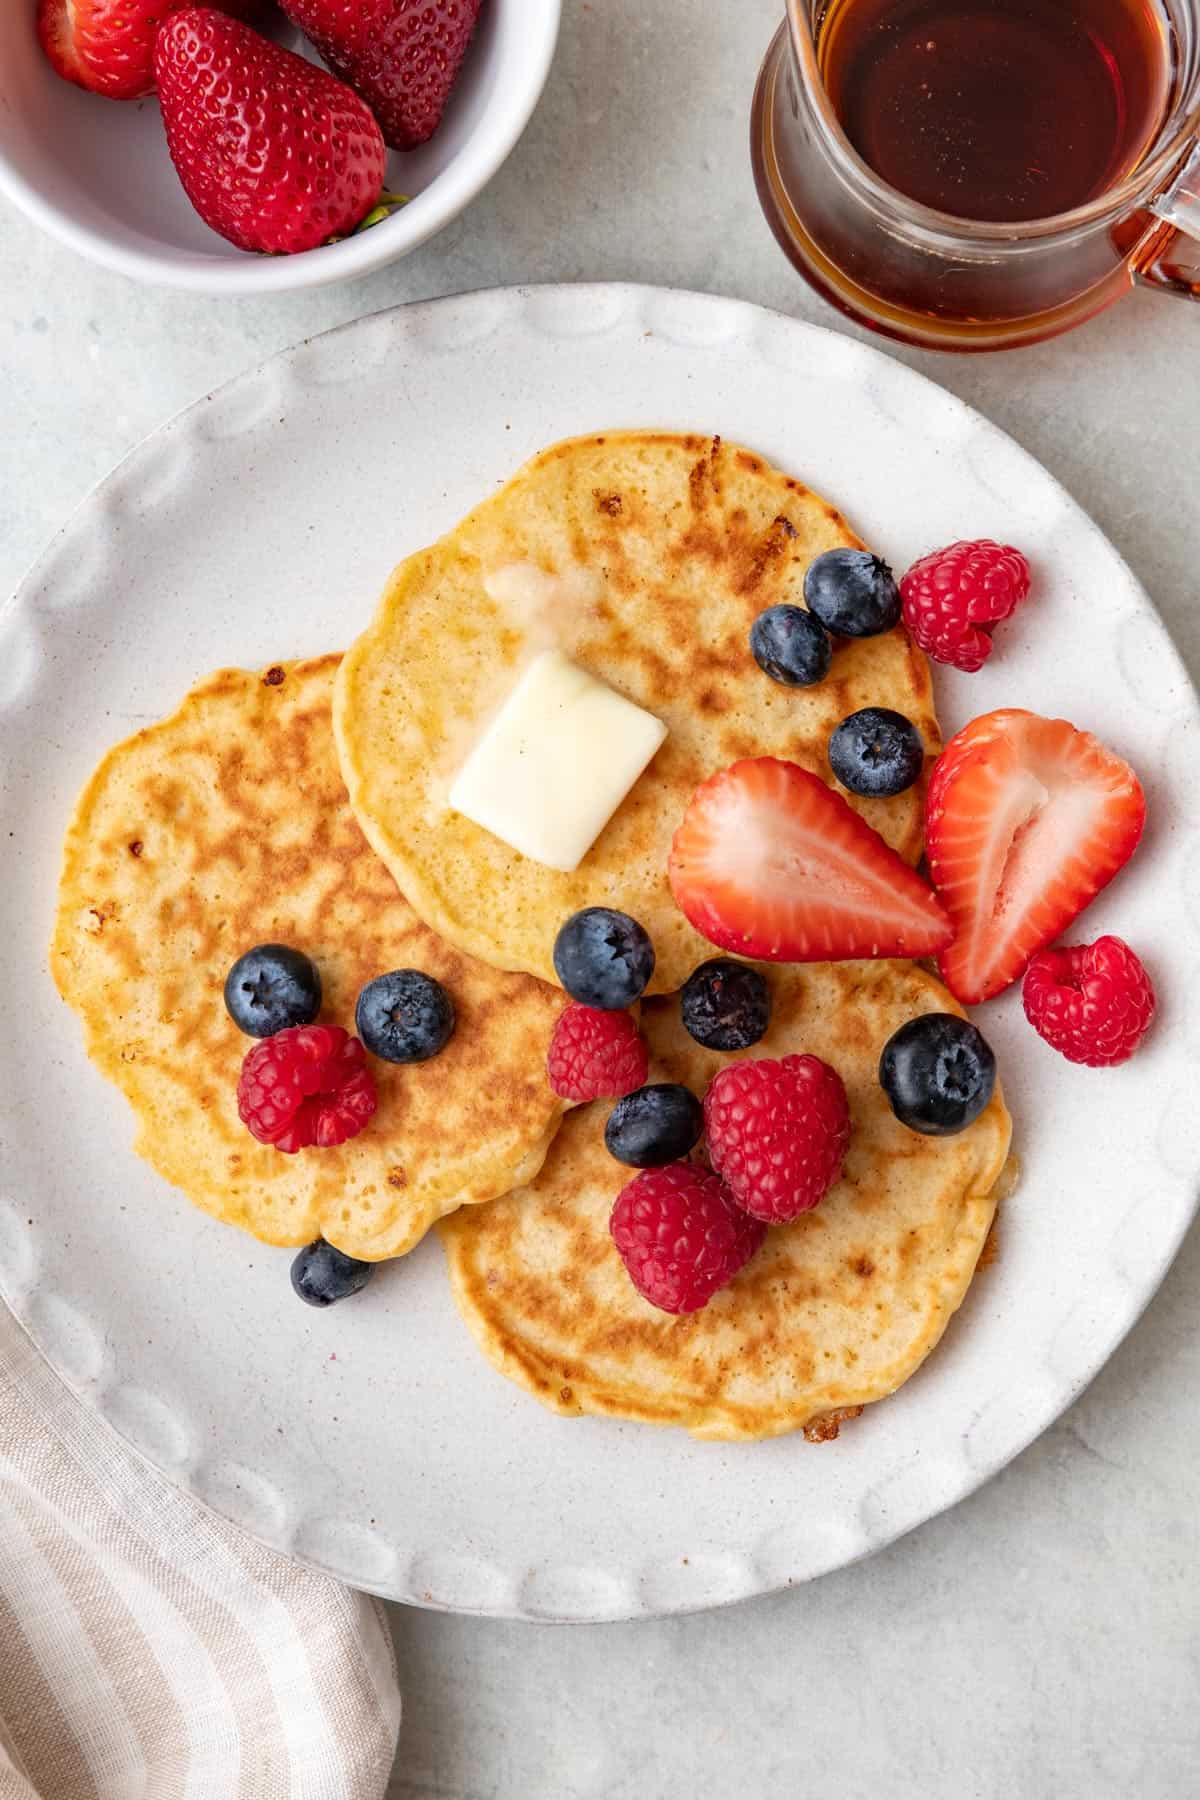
(998, 110)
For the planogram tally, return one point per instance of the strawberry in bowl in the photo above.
(100, 177)
(107, 46)
(402, 56)
(274, 153)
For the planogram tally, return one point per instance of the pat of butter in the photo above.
(555, 763)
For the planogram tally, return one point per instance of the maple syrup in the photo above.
(998, 110)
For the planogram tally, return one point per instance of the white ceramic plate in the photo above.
(373, 1440)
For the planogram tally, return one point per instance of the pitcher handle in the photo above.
(1168, 256)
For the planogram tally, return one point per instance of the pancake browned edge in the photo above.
(645, 557)
(227, 825)
(836, 1310)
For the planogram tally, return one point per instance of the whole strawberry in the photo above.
(402, 56)
(275, 154)
(107, 46)
(777, 1133)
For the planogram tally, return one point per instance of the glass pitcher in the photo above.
(931, 279)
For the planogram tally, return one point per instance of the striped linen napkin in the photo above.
(149, 1651)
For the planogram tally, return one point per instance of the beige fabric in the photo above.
(148, 1651)
(13, 1785)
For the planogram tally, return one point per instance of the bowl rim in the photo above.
(481, 156)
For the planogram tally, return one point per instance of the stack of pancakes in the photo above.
(306, 804)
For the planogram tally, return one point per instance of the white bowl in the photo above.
(96, 172)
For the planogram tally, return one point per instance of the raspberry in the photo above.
(953, 597)
(680, 1236)
(777, 1133)
(595, 1055)
(1094, 1002)
(309, 1084)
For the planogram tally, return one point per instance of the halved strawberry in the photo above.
(773, 864)
(1026, 820)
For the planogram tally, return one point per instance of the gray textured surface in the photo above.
(1042, 1639)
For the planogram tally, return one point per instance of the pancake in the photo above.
(836, 1310)
(227, 825)
(645, 557)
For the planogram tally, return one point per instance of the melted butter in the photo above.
(547, 609)
(1009, 1178)
(535, 611)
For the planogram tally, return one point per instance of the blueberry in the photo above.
(876, 752)
(321, 1274)
(603, 958)
(654, 1125)
(270, 988)
(938, 1071)
(404, 1017)
(790, 646)
(852, 593)
(726, 1005)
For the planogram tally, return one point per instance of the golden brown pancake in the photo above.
(646, 558)
(227, 825)
(837, 1309)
